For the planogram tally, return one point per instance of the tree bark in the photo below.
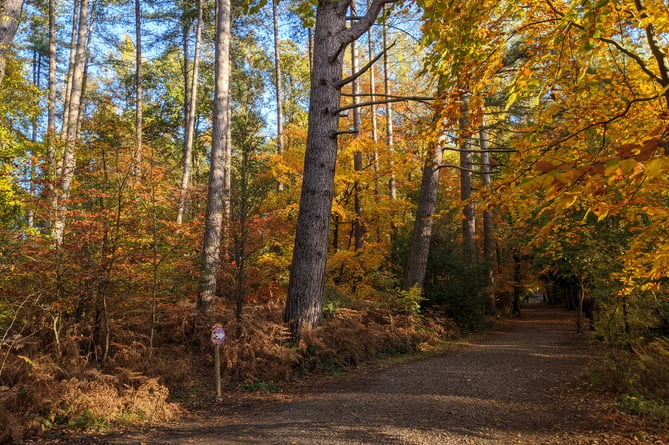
(307, 273)
(9, 23)
(488, 235)
(466, 183)
(217, 202)
(392, 186)
(139, 102)
(358, 225)
(422, 229)
(656, 48)
(191, 107)
(51, 116)
(278, 82)
(372, 112)
(71, 132)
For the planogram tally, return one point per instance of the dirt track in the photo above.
(517, 385)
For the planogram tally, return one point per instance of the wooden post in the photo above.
(217, 339)
(217, 369)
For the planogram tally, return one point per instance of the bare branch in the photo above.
(620, 47)
(381, 102)
(457, 167)
(477, 150)
(362, 70)
(348, 35)
(634, 57)
(390, 96)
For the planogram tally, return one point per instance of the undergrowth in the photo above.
(44, 388)
(640, 377)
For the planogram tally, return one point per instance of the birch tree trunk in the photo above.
(190, 108)
(307, 273)
(9, 23)
(219, 173)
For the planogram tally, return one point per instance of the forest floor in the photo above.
(522, 383)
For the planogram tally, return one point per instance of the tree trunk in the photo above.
(392, 186)
(218, 173)
(307, 273)
(9, 23)
(422, 229)
(51, 116)
(657, 49)
(372, 112)
(488, 235)
(190, 107)
(71, 132)
(358, 224)
(466, 183)
(139, 103)
(70, 69)
(277, 81)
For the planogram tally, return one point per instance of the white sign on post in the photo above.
(217, 339)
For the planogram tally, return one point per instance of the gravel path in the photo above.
(518, 385)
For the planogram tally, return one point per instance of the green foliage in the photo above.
(640, 406)
(407, 301)
(455, 283)
(640, 376)
(629, 321)
(259, 386)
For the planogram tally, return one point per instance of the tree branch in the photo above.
(605, 122)
(634, 57)
(348, 35)
(477, 150)
(362, 70)
(624, 50)
(381, 102)
(457, 167)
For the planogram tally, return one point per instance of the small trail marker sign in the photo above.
(217, 335)
(217, 339)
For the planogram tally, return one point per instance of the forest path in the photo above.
(517, 385)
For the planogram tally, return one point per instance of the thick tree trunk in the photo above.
(466, 183)
(422, 229)
(10, 14)
(217, 202)
(307, 273)
(190, 107)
